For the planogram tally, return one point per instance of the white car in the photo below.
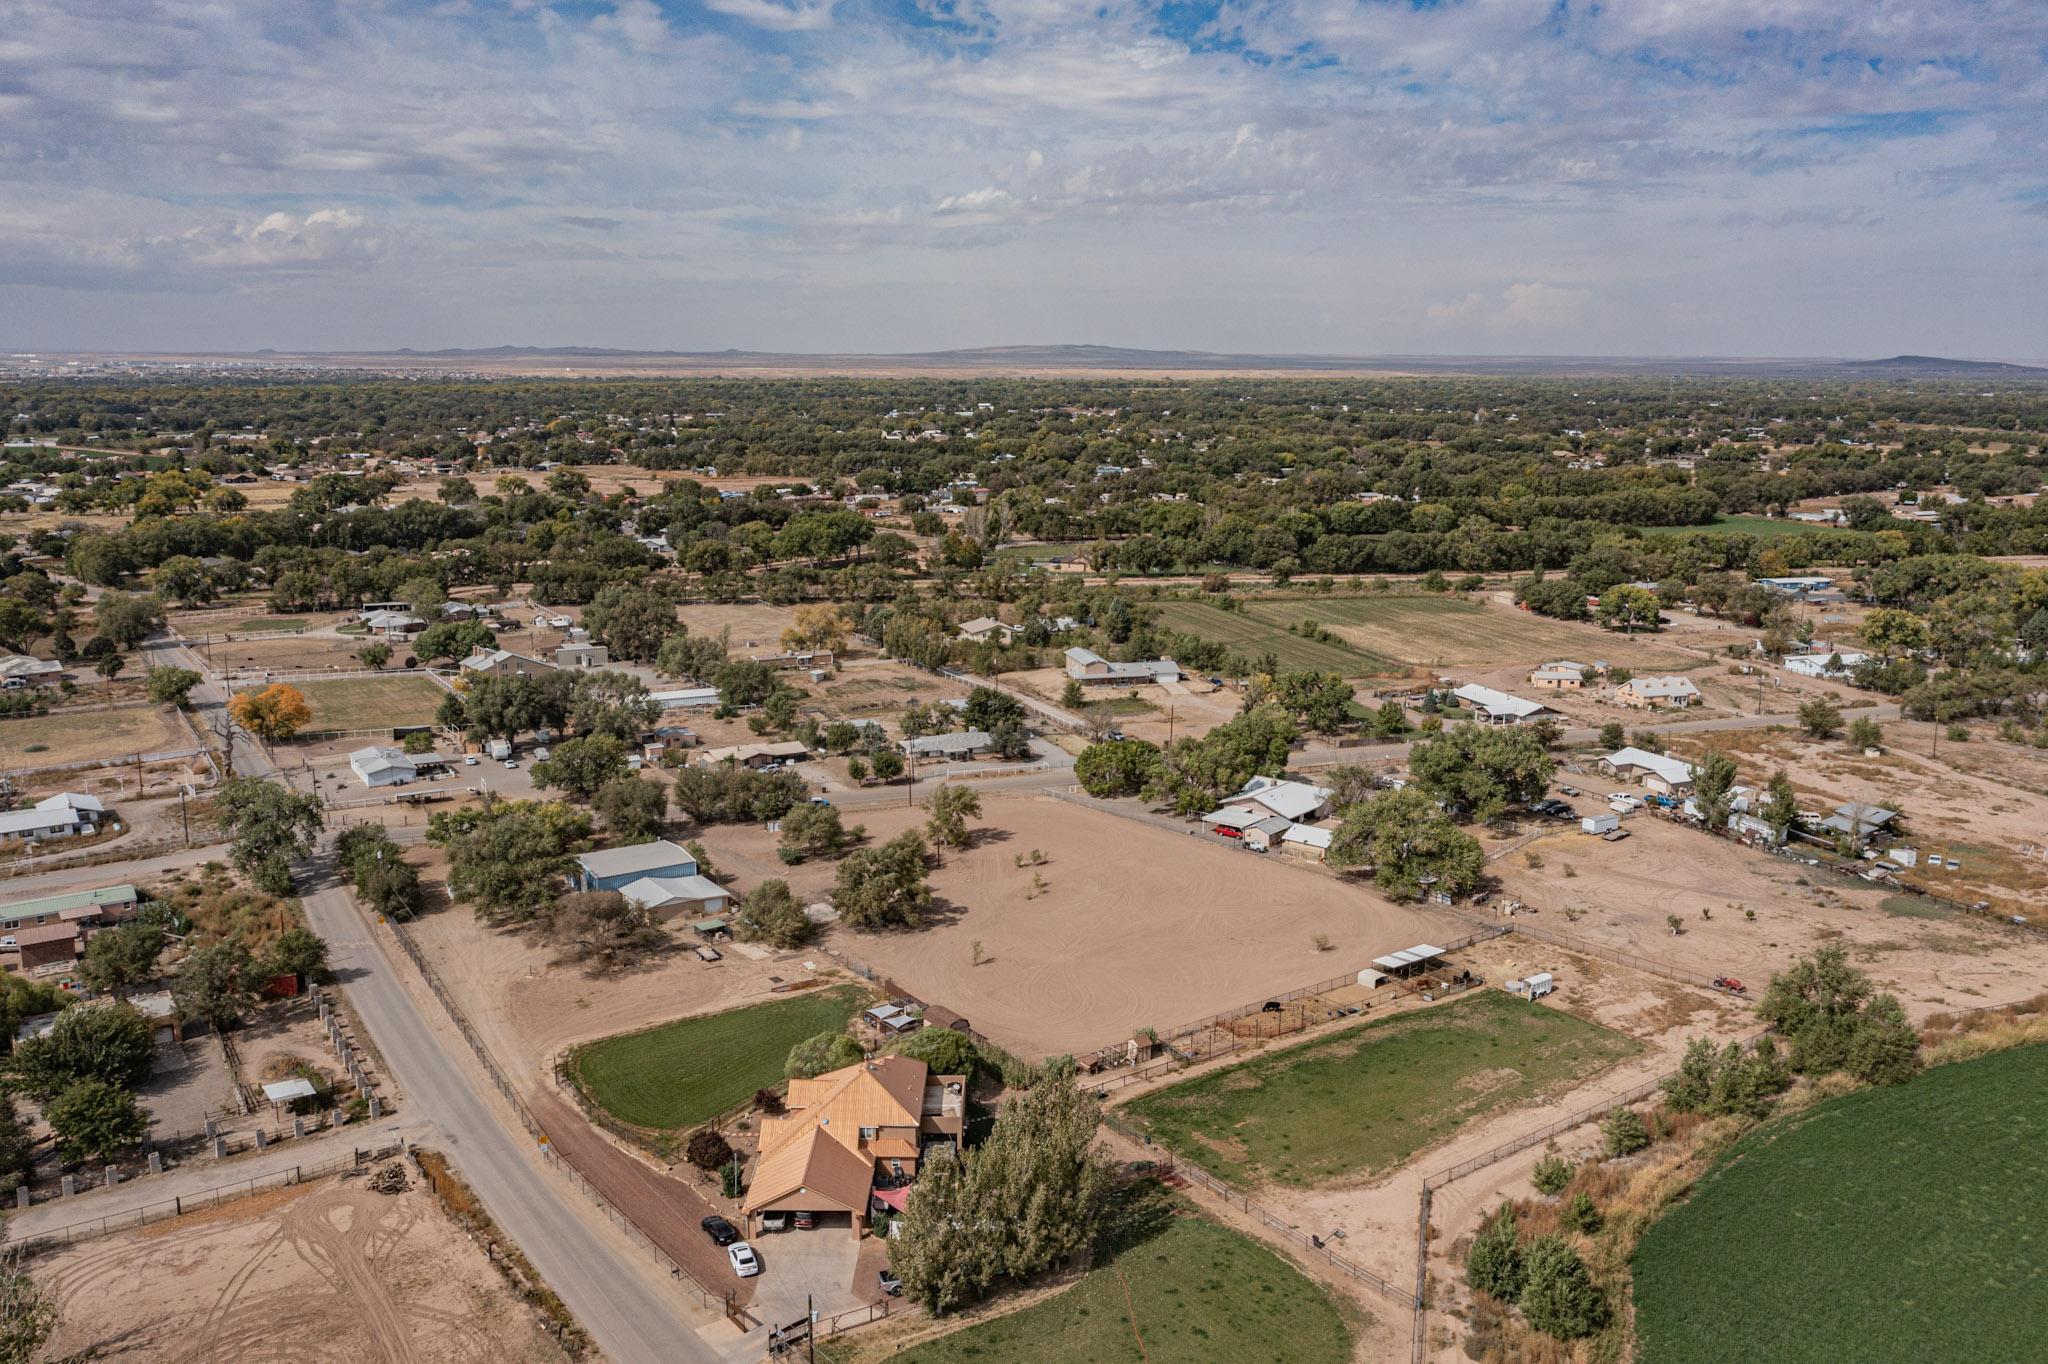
(745, 1263)
(469, 760)
(1624, 804)
(511, 762)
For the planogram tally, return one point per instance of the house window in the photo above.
(867, 1133)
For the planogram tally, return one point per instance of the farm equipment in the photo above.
(1731, 985)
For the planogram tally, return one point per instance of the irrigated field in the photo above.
(683, 1072)
(1891, 1225)
(69, 736)
(1253, 635)
(1431, 631)
(1762, 527)
(372, 702)
(1364, 1101)
(1177, 1289)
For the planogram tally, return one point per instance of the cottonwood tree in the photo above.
(1193, 775)
(1482, 770)
(1409, 843)
(630, 808)
(947, 813)
(696, 657)
(273, 713)
(127, 619)
(1836, 1020)
(108, 1041)
(269, 828)
(170, 686)
(94, 1120)
(603, 930)
(453, 639)
(119, 959)
(631, 621)
(770, 913)
(506, 862)
(611, 703)
(884, 887)
(815, 1055)
(1820, 717)
(1116, 767)
(814, 831)
(214, 983)
(581, 766)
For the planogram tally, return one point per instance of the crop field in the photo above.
(372, 702)
(1890, 1226)
(1762, 527)
(70, 736)
(681, 1073)
(1364, 1101)
(1253, 635)
(1431, 631)
(1177, 1289)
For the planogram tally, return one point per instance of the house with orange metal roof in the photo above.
(852, 1136)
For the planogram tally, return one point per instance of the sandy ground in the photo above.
(1136, 926)
(323, 1271)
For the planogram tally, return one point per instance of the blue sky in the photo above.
(1753, 177)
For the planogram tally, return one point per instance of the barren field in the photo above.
(322, 1271)
(1136, 926)
(1440, 632)
(756, 626)
(69, 736)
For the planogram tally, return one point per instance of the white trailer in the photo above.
(1600, 824)
(1533, 986)
(500, 749)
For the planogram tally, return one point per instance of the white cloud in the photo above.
(793, 17)
(1527, 306)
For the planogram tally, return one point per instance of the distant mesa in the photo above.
(1933, 366)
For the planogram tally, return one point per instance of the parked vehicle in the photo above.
(512, 762)
(806, 1220)
(775, 1221)
(469, 760)
(1532, 987)
(1600, 824)
(500, 749)
(540, 755)
(745, 1263)
(721, 1232)
(891, 1285)
(1731, 985)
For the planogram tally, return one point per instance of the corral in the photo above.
(1886, 1224)
(71, 736)
(328, 1270)
(1365, 1100)
(1135, 926)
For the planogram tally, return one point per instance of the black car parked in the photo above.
(721, 1232)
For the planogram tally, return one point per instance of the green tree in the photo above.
(1116, 767)
(1551, 1174)
(603, 930)
(110, 666)
(28, 1316)
(770, 913)
(631, 809)
(104, 1040)
(946, 1050)
(384, 880)
(744, 682)
(119, 959)
(453, 639)
(1558, 1297)
(581, 766)
(270, 828)
(1690, 1087)
(883, 887)
(374, 656)
(1319, 702)
(507, 862)
(1892, 632)
(612, 703)
(1713, 785)
(1885, 1049)
(813, 831)
(1409, 843)
(213, 983)
(888, 764)
(1781, 811)
(947, 813)
(816, 1055)
(631, 621)
(1820, 717)
(683, 655)
(1482, 770)
(1193, 775)
(170, 686)
(1494, 1263)
(94, 1120)
(126, 618)
(1625, 1132)
(1864, 733)
(1613, 735)
(1579, 1214)
(298, 951)
(1628, 608)
(17, 1157)
(1817, 1005)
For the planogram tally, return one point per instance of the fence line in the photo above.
(1419, 1344)
(716, 1299)
(179, 1205)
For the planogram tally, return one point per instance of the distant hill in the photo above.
(1935, 367)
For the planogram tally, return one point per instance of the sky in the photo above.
(1500, 177)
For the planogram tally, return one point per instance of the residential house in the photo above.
(67, 815)
(46, 936)
(1835, 665)
(382, 766)
(989, 630)
(1492, 707)
(1563, 675)
(393, 624)
(852, 1138)
(1860, 822)
(1654, 771)
(1291, 800)
(696, 896)
(963, 744)
(504, 663)
(1658, 693)
(20, 670)
(1091, 669)
(685, 698)
(755, 755)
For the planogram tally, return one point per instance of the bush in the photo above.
(1551, 1174)
(708, 1149)
(1494, 1264)
(93, 1120)
(1580, 1215)
(1625, 1132)
(816, 1055)
(1558, 1296)
(769, 1101)
(947, 1052)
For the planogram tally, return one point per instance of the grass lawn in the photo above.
(683, 1072)
(1366, 1100)
(255, 624)
(1890, 1226)
(1251, 636)
(372, 702)
(1040, 553)
(1195, 1291)
(68, 736)
(1430, 630)
(1762, 527)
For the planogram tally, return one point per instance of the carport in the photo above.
(1410, 961)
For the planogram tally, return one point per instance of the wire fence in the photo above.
(180, 1205)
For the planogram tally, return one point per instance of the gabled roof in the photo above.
(100, 897)
(1289, 799)
(653, 892)
(1672, 770)
(816, 1146)
(1673, 685)
(1498, 702)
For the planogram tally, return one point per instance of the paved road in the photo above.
(617, 1295)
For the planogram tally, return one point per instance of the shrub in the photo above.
(1558, 1296)
(1580, 1215)
(816, 1055)
(708, 1149)
(1551, 1174)
(769, 1101)
(1494, 1264)
(1625, 1132)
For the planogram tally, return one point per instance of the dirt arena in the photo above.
(322, 1271)
(1136, 927)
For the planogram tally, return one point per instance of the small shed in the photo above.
(711, 930)
(1410, 961)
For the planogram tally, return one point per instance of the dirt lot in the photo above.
(1625, 891)
(69, 736)
(1136, 926)
(322, 1271)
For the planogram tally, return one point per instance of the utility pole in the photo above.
(185, 790)
(811, 1332)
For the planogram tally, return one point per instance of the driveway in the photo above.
(802, 1269)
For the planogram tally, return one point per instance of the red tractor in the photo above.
(1731, 985)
